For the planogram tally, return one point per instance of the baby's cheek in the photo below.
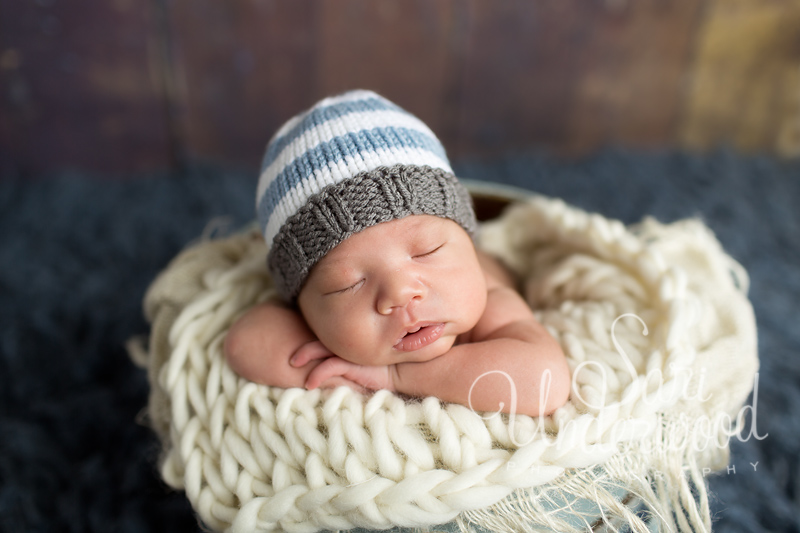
(473, 300)
(344, 339)
(477, 308)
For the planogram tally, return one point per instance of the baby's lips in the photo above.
(427, 334)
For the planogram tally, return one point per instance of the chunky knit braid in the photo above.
(656, 327)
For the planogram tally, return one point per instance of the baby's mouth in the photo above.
(419, 337)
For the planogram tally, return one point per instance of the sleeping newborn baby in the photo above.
(381, 286)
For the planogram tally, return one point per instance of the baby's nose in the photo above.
(400, 291)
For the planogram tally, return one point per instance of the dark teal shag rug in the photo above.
(78, 253)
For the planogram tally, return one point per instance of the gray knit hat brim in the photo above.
(350, 206)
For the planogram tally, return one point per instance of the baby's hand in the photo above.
(310, 351)
(335, 371)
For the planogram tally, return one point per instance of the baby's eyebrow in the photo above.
(329, 264)
(333, 273)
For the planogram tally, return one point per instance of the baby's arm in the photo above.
(260, 344)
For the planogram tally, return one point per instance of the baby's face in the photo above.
(396, 292)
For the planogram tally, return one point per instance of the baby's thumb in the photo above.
(309, 352)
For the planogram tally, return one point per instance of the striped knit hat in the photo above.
(348, 163)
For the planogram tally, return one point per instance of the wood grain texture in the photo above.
(746, 80)
(78, 87)
(243, 68)
(518, 75)
(399, 48)
(246, 67)
(630, 81)
(571, 76)
(127, 85)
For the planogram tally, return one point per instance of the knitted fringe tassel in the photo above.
(665, 493)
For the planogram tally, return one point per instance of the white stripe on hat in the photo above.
(350, 96)
(329, 130)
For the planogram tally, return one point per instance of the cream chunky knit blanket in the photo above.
(661, 341)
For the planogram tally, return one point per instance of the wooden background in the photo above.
(121, 86)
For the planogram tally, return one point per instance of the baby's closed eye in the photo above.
(349, 288)
(430, 250)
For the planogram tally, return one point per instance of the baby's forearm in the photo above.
(505, 375)
(260, 344)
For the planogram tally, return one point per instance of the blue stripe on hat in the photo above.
(350, 144)
(321, 115)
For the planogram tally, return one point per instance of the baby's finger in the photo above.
(309, 352)
(330, 368)
(339, 381)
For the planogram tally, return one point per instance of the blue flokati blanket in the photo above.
(78, 253)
